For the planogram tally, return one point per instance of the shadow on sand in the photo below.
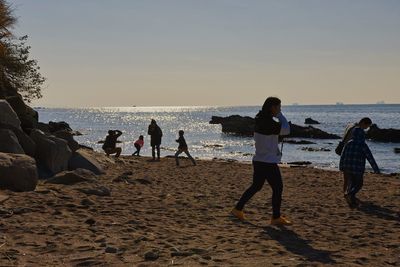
(378, 211)
(297, 245)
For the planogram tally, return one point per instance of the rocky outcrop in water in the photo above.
(244, 126)
(310, 121)
(383, 135)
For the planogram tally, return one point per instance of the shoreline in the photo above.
(156, 214)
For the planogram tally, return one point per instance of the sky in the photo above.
(213, 52)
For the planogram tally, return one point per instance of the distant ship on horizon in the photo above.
(339, 104)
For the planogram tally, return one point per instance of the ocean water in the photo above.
(206, 141)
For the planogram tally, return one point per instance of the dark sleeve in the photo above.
(275, 127)
(119, 133)
(149, 132)
(160, 132)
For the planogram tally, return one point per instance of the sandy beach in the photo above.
(155, 214)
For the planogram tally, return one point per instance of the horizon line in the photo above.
(214, 106)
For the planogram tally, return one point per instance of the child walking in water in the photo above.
(183, 148)
(138, 145)
(266, 159)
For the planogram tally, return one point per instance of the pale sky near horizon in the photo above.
(220, 52)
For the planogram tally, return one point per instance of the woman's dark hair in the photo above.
(141, 137)
(366, 121)
(269, 103)
(181, 132)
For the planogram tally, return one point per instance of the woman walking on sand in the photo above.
(266, 159)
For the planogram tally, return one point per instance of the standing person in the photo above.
(183, 148)
(352, 164)
(156, 135)
(110, 144)
(138, 145)
(364, 124)
(266, 159)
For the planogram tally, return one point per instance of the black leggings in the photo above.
(270, 172)
(138, 148)
(153, 151)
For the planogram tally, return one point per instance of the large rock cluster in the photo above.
(244, 126)
(30, 150)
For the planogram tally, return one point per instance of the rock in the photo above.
(18, 172)
(300, 163)
(72, 177)
(28, 116)
(67, 136)
(111, 250)
(310, 121)
(299, 142)
(44, 127)
(397, 150)
(51, 152)
(8, 115)
(59, 126)
(9, 142)
(151, 255)
(213, 146)
(100, 191)
(310, 132)
(313, 149)
(244, 126)
(81, 159)
(235, 124)
(24, 140)
(383, 135)
(90, 221)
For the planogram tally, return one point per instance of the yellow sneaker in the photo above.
(238, 214)
(280, 221)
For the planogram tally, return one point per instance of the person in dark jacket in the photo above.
(352, 164)
(110, 144)
(156, 134)
(266, 159)
(183, 148)
(364, 124)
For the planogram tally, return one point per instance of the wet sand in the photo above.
(159, 215)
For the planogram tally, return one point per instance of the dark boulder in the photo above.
(235, 124)
(244, 126)
(299, 142)
(52, 153)
(24, 140)
(397, 150)
(18, 172)
(310, 121)
(9, 142)
(383, 135)
(81, 159)
(68, 136)
(310, 132)
(28, 116)
(316, 149)
(8, 115)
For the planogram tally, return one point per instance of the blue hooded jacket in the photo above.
(355, 154)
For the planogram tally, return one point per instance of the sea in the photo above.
(207, 141)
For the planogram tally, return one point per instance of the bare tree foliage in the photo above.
(18, 73)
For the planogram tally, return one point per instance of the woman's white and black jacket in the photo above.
(266, 136)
